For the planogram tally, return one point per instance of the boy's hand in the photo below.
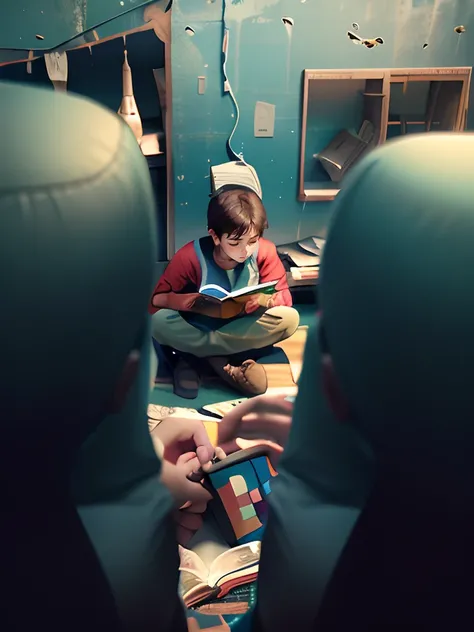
(189, 301)
(257, 301)
(252, 304)
(200, 304)
(262, 417)
(189, 520)
(175, 478)
(190, 497)
(261, 420)
(183, 436)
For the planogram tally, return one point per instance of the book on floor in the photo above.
(306, 272)
(234, 567)
(216, 291)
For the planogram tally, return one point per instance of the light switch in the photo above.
(264, 120)
(201, 85)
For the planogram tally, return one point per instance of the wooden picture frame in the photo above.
(376, 107)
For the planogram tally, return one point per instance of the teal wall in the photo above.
(266, 64)
(61, 21)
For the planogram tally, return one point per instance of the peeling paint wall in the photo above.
(58, 20)
(266, 57)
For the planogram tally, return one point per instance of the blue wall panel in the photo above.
(266, 64)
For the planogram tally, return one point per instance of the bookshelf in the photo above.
(428, 102)
(390, 102)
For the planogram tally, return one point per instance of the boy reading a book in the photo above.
(234, 255)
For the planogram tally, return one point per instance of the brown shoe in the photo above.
(249, 378)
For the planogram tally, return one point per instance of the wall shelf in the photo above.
(319, 192)
(153, 143)
(393, 102)
(406, 123)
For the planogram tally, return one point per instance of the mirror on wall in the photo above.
(347, 113)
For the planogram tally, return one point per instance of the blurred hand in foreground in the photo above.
(262, 420)
(185, 449)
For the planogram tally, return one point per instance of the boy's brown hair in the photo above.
(236, 212)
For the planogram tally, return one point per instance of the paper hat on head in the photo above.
(234, 175)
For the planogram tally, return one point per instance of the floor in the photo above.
(279, 374)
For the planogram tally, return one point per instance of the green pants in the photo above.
(255, 331)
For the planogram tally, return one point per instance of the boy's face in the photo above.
(237, 249)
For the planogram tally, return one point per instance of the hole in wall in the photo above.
(287, 21)
(460, 29)
(368, 43)
(189, 31)
(354, 38)
(425, 45)
(355, 26)
(39, 37)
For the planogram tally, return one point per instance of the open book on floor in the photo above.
(216, 291)
(235, 567)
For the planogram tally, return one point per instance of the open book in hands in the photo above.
(217, 292)
(234, 567)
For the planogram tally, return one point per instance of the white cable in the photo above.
(299, 223)
(228, 87)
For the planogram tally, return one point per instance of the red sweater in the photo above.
(183, 275)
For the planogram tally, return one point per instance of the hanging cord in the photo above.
(227, 84)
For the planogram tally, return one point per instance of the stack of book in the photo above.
(308, 275)
(301, 260)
